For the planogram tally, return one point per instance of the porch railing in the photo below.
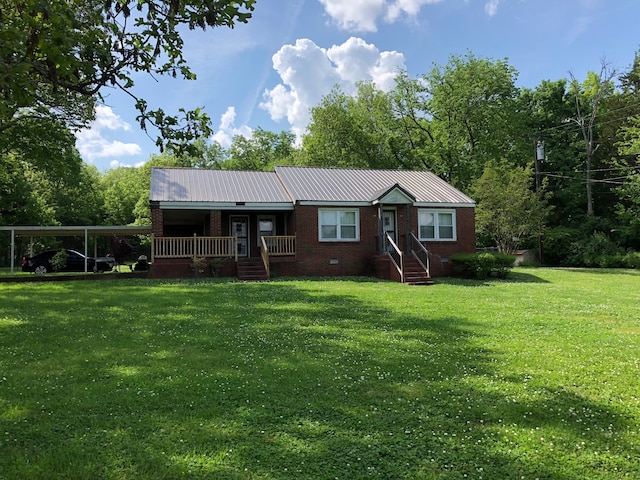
(282, 245)
(395, 254)
(419, 251)
(188, 247)
(276, 246)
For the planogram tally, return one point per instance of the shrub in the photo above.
(216, 265)
(198, 265)
(481, 265)
(59, 260)
(598, 250)
(503, 263)
(632, 260)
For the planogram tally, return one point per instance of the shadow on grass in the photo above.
(276, 380)
(604, 271)
(513, 277)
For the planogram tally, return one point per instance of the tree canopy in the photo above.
(508, 209)
(56, 56)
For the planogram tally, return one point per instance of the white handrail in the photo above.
(264, 252)
(400, 267)
(415, 241)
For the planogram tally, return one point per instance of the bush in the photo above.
(632, 260)
(59, 260)
(598, 250)
(503, 263)
(482, 265)
(198, 265)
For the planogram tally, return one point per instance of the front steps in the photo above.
(252, 270)
(414, 274)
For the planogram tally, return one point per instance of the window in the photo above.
(266, 227)
(437, 224)
(338, 225)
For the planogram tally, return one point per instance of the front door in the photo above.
(240, 229)
(389, 223)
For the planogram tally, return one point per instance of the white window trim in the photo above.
(357, 225)
(436, 229)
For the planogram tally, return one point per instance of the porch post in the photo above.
(408, 232)
(380, 230)
(157, 220)
(215, 223)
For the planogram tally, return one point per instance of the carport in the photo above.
(72, 231)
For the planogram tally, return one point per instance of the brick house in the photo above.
(307, 221)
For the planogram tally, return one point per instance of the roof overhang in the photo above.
(276, 206)
(315, 203)
(444, 205)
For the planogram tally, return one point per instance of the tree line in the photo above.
(555, 165)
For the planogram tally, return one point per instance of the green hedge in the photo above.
(482, 265)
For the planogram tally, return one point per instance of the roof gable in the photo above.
(395, 195)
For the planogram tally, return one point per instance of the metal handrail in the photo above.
(400, 268)
(416, 241)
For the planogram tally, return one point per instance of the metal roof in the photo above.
(359, 185)
(219, 186)
(287, 185)
(75, 231)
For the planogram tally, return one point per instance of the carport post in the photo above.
(13, 249)
(86, 245)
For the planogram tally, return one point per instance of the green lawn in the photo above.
(537, 376)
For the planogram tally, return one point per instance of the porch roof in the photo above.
(216, 187)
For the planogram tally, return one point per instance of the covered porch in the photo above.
(172, 254)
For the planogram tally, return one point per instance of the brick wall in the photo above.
(157, 221)
(465, 241)
(316, 258)
(215, 223)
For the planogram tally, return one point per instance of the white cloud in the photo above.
(491, 7)
(118, 164)
(355, 15)
(226, 132)
(409, 8)
(362, 15)
(92, 144)
(309, 72)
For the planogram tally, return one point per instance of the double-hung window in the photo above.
(436, 224)
(336, 225)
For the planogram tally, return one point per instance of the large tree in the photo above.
(357, 131)
(56, 57)
(263, 151)
(463, 114)
(588, 98)
(509, 209)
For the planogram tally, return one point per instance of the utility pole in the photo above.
(539, 156)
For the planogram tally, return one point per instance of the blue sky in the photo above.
(269, 72)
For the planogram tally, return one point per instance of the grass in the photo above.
(532, 377)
